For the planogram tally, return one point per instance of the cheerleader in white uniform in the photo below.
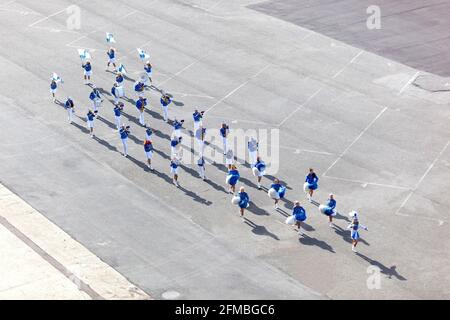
(224, 130)
(276, 191)
(229, 158)
(200, 137)
(259, 170)
(354, 227)
(174, 164)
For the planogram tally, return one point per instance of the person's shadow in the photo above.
(257, 210)
(389, 271)
(309, 241)
(260, 230)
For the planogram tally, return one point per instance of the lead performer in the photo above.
(354, 227)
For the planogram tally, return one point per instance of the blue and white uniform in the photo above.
(174, 164)
(70, 107)
(165, 107)
(96, 99)
(177, 125)
(229, 157)
(118, 116)
(252, 146)
(90, 119)
(354, 227)
(329, 209)
(232, 177)
(174, 145)
(115, 93)
(53, 87)
(148, 149)
(197, 116)
(224, 135)
(277, 191)
(140, 105)
(111, 56)
(139, 88)
(201, 167)
(311, 182)
(123, 132)
(87, 69)
(259, 168)
(119, 79)
(120, 90)
(200, 135)
(299, 213)
(148, 71)
(148, 134)
(244, 200)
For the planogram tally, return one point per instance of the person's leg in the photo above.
(242, 212)
(259, 182)
(276, 203)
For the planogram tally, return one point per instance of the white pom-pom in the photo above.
(255, 171)
(273, 194)
(290, 220)
(306, 187)
(323, 208)
(235, 200)
(227, 180)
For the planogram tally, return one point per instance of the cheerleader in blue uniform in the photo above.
(277, 191)
(139, 88)
(354, 227)
(259, 170)
(310, 183)
(165, 101)
(244, 201)
(177, 125)
(174, 164)
(232, 178)
(111, 53)
(329, 209)
(96, 98)
(148, 70)
(148, 149)
(119, 79)
(87, 72)
(197, 116)
(53, 89)
(300, 215)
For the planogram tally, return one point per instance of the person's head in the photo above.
(224, 125)
(276, 180)
(296, 203)
(353, 215)
(258, 158)
(116, 84)
(331, 196)
(69, 98)
(241, 189)
(111, 49)
(119, 74)
(53, 81)
(311, 170)
(233, 167)
(88, 62)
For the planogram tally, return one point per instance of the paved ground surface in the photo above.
(378, 142)
(413, 32)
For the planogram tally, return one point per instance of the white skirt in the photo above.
(90, 124)
(53, 90)
(149, 154)
(87, 73)
(120, 92)
(174, 170)
(229, 161)
(112, 60)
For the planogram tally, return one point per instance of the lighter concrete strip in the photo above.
(54, 265)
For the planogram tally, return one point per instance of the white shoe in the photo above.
(259, 186)
(354, 249)
(276, 206)
(331, 225)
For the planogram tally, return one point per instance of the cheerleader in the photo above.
(96, 98)
(90, 122)
(329, 209)
(200, 137)
(252, 146)
(70, 107)
(177, 125)
(118, 114)
(115, 93)
(148, 149)
(119, 79)
(174, 164)
(232, 178)
(354, 226)
(124, 132)
(197, 119)
(111, 58)
(87, 72)
(259, 170)
(300, 215)
(140, 105)
(148, 70)
(165, 101)
(229, 158)
(310, 184)
(244, 201)
(53, 89)
(139, 88)
(276, 191)
(148, 134)
(224, 130)
(201, 168)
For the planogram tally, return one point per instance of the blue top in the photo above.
(117, 111)
(173, 164)
(260, 165)
(276, 186)
(123, 133)
(111, 54)
(223, 131)
(141, 103)
(95, 94)
(299, 213)
(148, 131)
(312, 178)
(174, 142)
(165, 103)
(87, 67)
(197, 116)
(331, 203)
(244, 199)
(148, 147)
(177, 125)
(113, 91)
(234, 177)
(90, 116)
(53, 85)
(69, 103)
(139, 87)
(148, 69)
(201, 162)
(279, 188)
(119, 79)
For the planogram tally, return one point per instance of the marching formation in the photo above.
(276, 191)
